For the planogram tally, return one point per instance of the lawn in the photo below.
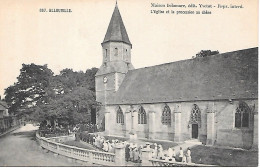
(110, 138)
(224, 157)
(80, 145)
(165, 144)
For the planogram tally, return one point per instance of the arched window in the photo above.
(242, 115)
(105, 53)
(166, 115)
(116, 51)
(119, 115)
(195, 116)
(142, 116)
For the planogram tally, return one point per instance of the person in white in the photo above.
(188, 156)
(173, 155)
(184, 159)
(169, 155)
(160, 154)
(155, 151)
(105, 146)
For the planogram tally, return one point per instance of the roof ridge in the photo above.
(220, 77)
(184, 60)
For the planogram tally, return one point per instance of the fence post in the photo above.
(119, 154)
(146, 157)
(91, 161)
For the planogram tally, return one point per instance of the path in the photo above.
(19, 148)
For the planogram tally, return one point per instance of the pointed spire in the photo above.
(116, 30)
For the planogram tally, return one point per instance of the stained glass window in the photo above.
(142, 116)
(242, 115)
(195, 116)
(119, 115)
(166, 115)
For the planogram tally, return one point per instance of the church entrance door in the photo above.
(195, 131)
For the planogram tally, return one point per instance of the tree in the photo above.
(31, 88)
(71, 108)
(68, 98)
(205, 53)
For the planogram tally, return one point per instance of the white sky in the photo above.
(73, 40)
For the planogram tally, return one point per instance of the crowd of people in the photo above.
(59, 130)
(99, 141)
(169, 155)
(50, 131)
(89, 127)
(133, 151)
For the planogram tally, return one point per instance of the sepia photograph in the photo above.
(129, 83)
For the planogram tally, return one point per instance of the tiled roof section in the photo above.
(3, 104)
(116, 30)
(230, 75)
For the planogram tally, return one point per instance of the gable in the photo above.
(232, 75)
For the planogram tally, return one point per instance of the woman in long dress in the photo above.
(155, 151)
(181, 155)
(160, 154)
(188, 156)
(127, 150)
(136, 155)
(173, 155)
(131, 153)
(170, 153)
(140, 153)
(184, 159)
(105, 146)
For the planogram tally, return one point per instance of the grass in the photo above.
(202, 154)
(165, 144)
(79, 144)
(110, 138)
(224, 157)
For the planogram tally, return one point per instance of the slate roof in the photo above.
(116, 29)
(231, 75)
(3, 105)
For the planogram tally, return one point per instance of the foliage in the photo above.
(67, 98)
(205, 53)
(30, 90)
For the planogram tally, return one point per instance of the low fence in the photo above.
(91, 156)
(10, 130)
(103, 158)
(147, 160)
(163, 163)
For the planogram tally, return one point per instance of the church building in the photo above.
(213, 99)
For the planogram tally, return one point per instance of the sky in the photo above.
(73, 40)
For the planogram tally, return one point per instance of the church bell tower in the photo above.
(116, 48)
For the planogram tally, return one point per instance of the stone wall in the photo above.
(217, 125)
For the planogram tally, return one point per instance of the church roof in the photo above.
(116, 30)
(3, 105)
(232, 75)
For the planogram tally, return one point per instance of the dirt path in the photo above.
(19, 148)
